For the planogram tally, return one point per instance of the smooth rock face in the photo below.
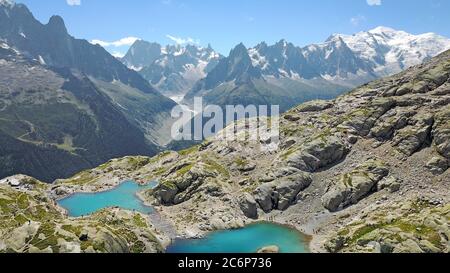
(441, 132)
(318, 153)
(354, 186)
(265, 196)
(249, 206)
(410, 139)
(167, 194)
(281, 193)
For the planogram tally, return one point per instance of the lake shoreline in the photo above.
(312, 242)
(303, 239)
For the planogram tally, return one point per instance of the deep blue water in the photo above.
(245, 240)
(123, 196)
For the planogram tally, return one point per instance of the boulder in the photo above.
(283, 172)
(428, 247)
(335, 245)
(352, 139)
(390, 183)
(291, 117)
(314, 106)
(408, 246)
(84, 236)
(281, 193)
(269, 250)
(61, 191)
(333, 200)
(264, 196)
(248, 206)
(438, 164)
(288, 188)
(248, 167)
(166, 191)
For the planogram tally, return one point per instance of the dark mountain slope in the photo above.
(55, 122)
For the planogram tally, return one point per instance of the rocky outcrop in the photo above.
(319, 153)
(354, 186)
(441, 133)
(248, 206)
(390, 183)
(362, 119)
(314, 106)
(281, 193)
(180, 184)
(438, 164)
(269, 250)
(411, 138)
(415, 226)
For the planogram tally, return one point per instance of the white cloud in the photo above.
(127, 41)
(73, 2)
(182, 41)
(118, 54)
(374, 2)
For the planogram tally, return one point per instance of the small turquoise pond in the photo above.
(246, 240)
(123, 196)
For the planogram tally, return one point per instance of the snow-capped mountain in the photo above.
(285, 71)
(349, 59)
(389, 51)
(173, 69)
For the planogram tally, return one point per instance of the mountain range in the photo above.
(288, 75)
(283, 73)
(173, 69)
(67, 104)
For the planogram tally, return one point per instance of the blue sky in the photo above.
(225, 23)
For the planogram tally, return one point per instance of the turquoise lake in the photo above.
(245, 240)
(123, 196)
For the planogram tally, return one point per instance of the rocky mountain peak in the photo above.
(382, 29)
(282, 43)
(239, 51)
(173, 69)
(56, 24)
(261, 46)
